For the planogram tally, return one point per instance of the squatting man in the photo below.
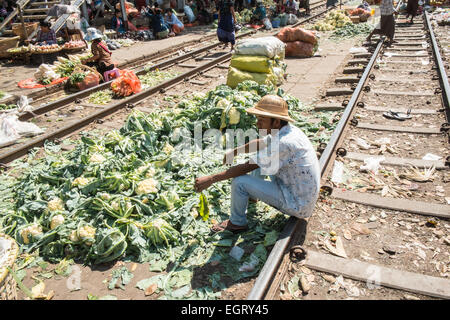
(285, 155)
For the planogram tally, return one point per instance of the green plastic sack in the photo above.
(259, 64)
(283, 19)
(236, 76)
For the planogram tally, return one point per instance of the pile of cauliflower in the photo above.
(334, 19)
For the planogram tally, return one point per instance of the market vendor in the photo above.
(259, 14)
(173, 22)
(45, 36)
(386, 26)
(157, 24)
(285, 154)
(117, 23)
(101, 59)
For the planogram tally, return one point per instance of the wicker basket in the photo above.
(29, 26)
(8, 285)
(8, 43)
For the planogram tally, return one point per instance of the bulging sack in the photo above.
(260, 64)
(289, 34)
(265, 46)
(299, 49)
(236, 76)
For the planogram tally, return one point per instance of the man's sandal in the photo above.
(227, 225)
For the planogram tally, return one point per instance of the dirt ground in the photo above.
(307, 80)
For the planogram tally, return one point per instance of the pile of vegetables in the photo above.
(65, 66)
(101, 97)
(129, 193)
(333, 20)
(7, 106)
(152, 78)
(78, 44)
(77, 77)
(244, 16)
(352, 30)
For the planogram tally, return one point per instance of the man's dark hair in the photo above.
(282, 122)
(45, 24)
(168, 10)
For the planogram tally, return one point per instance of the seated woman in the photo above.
(259, 14)
(157, 24)
(172, 20)
(117, 23)
(45, 36)
(101, 59)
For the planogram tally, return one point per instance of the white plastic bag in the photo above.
(372, 164)
(337, 176)
(23, 105)
(362, 144)
(264, 46)
(267, 24)
(292, 19)
(12, 128)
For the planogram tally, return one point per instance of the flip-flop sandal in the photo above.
(227, 225)
(397, 115)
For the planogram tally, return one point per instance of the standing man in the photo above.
(227, 20)
(411, 9)
(387, 21)
(286, 154)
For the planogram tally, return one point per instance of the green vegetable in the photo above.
(204, 209)
(77, 77)
(101, 97)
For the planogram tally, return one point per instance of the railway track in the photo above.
(56, 91)
(388, 229)
(67, 110)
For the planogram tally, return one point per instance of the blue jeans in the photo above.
(252, 186)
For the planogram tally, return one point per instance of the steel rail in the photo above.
(85, 93)
(9, 156)
(269, 269)
(443, 79)
(273, 261)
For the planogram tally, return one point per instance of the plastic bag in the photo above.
(292, 19)
(267, 24)
(299, 49)
(23, 105)
(89, 81)
(127, 84)
(11, 128)
(372, 164)
(264, 46)
(252, 63)
(236, 76)
(289, 34)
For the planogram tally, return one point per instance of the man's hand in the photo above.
(203, 183)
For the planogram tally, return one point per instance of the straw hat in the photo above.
(273, 107)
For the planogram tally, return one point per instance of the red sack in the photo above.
(127, 84)
(288, 34)
(299, 49)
